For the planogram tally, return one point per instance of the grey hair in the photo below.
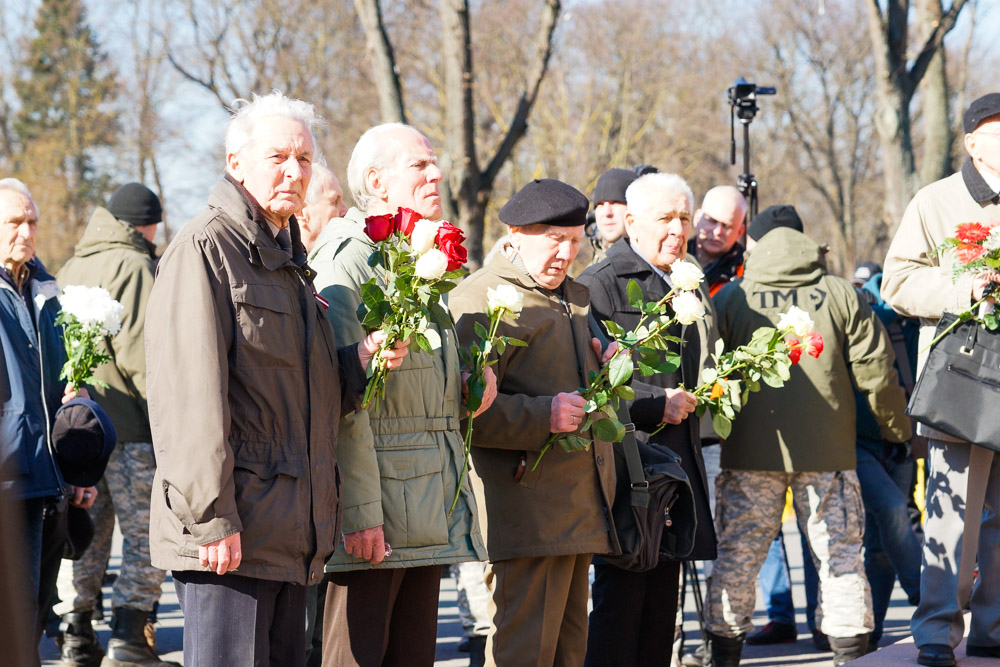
(376, 149)
(239, 133)
(321, 177)
(641, 190)
(17, 186)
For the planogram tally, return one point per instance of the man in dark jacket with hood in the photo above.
(801, 436)
(117, 253)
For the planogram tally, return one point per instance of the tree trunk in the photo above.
(390, 92)
(936, 163)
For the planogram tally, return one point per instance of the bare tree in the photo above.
(897, 81)
(468, 187)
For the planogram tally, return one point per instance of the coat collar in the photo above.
(976, 184)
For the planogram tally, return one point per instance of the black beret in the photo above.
(546, 201)
(773, 217)
(83, 438)
(136, 204)
(612, 184)
(981, 109)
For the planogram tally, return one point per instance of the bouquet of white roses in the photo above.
(88, 315)
(504, 302)
(416, 261)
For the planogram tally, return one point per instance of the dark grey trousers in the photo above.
(237, 621)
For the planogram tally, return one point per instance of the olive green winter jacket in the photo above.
(809, 424)
(401, 462)
(113, 254)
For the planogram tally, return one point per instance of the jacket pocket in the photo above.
(413, 497)
(14, 445)
(272, 502)
(267, 331)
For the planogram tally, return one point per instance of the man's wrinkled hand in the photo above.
(489, 391)
(370, 344)
(678, 406)
(608, 353)
(980, 283)
(567, 412)
(72, 392)
(368, 544)
(83, 496)
(222, 555)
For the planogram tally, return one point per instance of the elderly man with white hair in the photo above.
(246, 386)
(634, 612)
(324, 202)
(402, 459)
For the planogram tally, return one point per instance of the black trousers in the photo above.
(382, 618)
(237, 621)
(632, 624)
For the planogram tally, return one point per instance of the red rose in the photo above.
(814, 344)
(971, 232)
(379, 227)
(404, 221)
(794, 350)
(969, 252)
(449, 241)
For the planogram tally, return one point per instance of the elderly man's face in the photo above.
(18, 225)
(276, 166)
(984, 145)
(547, 251)
(660, 229)
(610, 216)
(413, 182)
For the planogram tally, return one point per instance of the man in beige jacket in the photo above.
(918, 283)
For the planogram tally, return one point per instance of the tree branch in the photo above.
(387, 84)
(933, 43)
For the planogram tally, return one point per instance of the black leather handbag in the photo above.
(959, 388)
(653, 511)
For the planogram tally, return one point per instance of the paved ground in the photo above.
(801, 653)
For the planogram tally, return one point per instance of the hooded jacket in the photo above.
(809, 424)
(113, 254)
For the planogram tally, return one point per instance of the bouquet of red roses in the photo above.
(977, 249)
(416, 261)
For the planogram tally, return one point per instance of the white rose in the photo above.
(504, 296)
(424, 233)
(431, 265)
(684, 275)
(93, 308)
(797, 320)
(688, 308)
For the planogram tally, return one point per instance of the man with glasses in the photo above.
(963, 482)
(718, 228)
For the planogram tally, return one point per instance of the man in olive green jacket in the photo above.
(401, 460)
(117, 253)
(800, 436)
(543, 524)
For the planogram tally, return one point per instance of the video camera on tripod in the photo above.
(743, 105)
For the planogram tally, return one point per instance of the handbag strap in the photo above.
(637, 478)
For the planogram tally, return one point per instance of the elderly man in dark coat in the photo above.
(543, 524)
(634, 612)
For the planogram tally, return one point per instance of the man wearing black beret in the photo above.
(963, 477)
(544, 524)
(609, 209)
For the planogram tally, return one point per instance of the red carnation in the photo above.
(379, 227)
(969, 252)
(404, 221)
(971, 232)
(449, 241)
(794, 350)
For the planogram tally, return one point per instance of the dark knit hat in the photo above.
(865, 271)
(981, 109)
(136, 204)
(612, 184)
(546, 201)
(83, 438)
(773, 217)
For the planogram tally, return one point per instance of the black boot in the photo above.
(477, 651)
(128, 646)
(723, 651)
(846, 649)
(79, 641)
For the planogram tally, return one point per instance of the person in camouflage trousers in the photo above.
(117, 253)
(800, 436)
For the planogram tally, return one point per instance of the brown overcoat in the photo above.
(246, 390)
(562, 507)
